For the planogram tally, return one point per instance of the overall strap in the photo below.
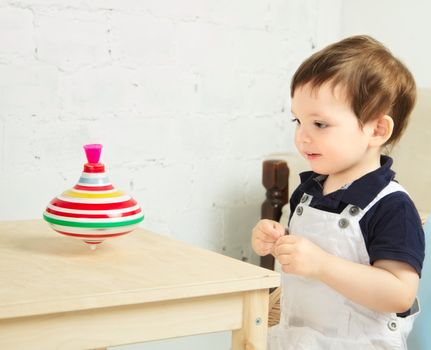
(392, 187)
(353, 210)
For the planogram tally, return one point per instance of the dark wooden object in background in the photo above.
(275, 178)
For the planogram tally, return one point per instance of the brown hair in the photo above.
(376, 82)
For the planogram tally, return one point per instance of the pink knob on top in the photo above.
(92, 151)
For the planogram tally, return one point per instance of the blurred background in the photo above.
(187, 97)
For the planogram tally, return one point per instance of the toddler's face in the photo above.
(328, 133)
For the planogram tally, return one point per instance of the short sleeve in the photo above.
(393, 231)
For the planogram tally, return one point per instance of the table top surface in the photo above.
(43, 272)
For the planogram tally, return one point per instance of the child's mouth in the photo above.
(312, 156)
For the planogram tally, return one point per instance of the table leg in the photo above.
(253, 334)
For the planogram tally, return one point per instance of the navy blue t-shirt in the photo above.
(391, 228)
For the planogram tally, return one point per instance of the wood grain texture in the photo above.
(59, 294)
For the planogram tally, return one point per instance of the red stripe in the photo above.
(93, 206)
(93, 216)
(93, 188)
(79, 235)
(94, 168)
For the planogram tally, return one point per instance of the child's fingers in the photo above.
(264, 236)
(286, 239)
(265, 248)
(271, 230)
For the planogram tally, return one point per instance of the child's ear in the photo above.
(382, 130)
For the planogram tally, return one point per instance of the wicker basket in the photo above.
(274, 307)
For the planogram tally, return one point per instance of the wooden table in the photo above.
(56, 293)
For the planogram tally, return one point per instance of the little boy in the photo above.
(353, 257)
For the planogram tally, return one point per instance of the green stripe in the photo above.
(91, 224)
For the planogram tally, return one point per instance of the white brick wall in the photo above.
(186, 96)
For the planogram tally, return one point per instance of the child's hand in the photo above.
(264, 236)
(299, 256)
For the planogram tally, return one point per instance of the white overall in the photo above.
(314, 316)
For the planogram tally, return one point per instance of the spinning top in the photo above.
(93, 210)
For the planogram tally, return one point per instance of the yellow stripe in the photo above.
(71, 193)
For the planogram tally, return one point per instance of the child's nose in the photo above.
(302, 135)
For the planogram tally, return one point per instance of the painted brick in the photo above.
(16, 39)
(72, 39)
(29, 89)
(141, 39)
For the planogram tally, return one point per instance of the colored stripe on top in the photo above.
(91, 224)
(94, 188)
(111, 213)
(72, 193)
(93, 206)
(93, 181)
(84, 214)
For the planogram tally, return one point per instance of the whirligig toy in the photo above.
(93, 210)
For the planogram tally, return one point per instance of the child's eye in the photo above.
(321, 125)
(296, 120)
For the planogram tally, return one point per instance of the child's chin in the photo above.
(318, 170)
